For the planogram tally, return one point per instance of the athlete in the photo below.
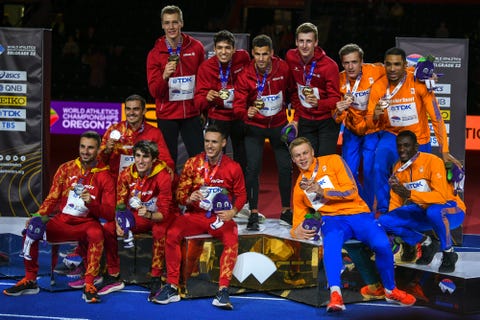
(325, 184)
(317, 90)
(85, 191)
(421, 200)
(171, 74)
(209, 173)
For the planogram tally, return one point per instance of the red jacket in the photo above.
(208, 78)
(128, 140)
(229, 176)
(278, 85)
(191, 56)
(155, 191)
(98, 181)
(325, 77)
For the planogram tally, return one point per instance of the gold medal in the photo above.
(174, 57)
(259, 104)
(307, 91)
(224, 94)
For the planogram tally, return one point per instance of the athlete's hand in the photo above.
(212, 95)
(170, 68)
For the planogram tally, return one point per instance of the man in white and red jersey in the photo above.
(317, 90)
(204, 176)
(118, 140)
(359, 142)
(261, 94)
(215, 91)
(146, 188)
(172, 66)
(83, 191)
(397, 102)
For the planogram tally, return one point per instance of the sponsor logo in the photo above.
(21, 50)
(13, 88)
(2, 49)
(447, 285)
(256, 264)
(6, 75)
(20, 101)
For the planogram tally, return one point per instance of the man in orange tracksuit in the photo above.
(325, 184)
(397, 102)
(359, 142)
(421, 199)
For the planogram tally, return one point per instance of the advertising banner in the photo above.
(24, 100)
(451, 63)
(76, 117)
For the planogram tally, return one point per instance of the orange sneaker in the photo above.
(373, 291)
(400, 297)
(336, 303)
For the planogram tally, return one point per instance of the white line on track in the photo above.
(27, 316)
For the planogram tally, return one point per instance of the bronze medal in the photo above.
(384, 103)
(349, 97)
(224, 94)
(174, 57)
(259, 104)
(307, 91)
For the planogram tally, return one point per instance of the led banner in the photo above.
(24, 99)
(76, 117)
(451, 62)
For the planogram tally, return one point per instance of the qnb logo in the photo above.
(255, 264)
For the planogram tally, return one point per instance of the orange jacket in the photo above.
(354, 117)
(426, 179)
(410, 109)
(340, 190)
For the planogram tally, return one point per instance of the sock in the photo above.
(335, 289)
(448, 250)
(427, 241)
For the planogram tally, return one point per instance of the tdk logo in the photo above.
(362, 93)
(401, 107)
(271, 98)
(13, 75)
(182, 80)
(414, 185)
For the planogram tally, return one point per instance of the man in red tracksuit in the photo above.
(150, 183)
(317, 90)
(205, 175)
(171, 74)
(261, 94)
(84, 191)
(215, 91)
(118, 140)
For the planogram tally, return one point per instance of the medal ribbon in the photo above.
(139, 185)
(224, 76)
(308, 77)
(261, 86)
(355, 85)
(315, 171)
(408, 163)
(179, 47)
(207, 178)
(389, 95)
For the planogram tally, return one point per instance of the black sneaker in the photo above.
(448, 262)
(409, 253)
(110, 284)
(23, 286)
(166, 295)
(286, 218)
(155, 285)
(253, 224)
(90, 294)
(222, 300)
(428, 252)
